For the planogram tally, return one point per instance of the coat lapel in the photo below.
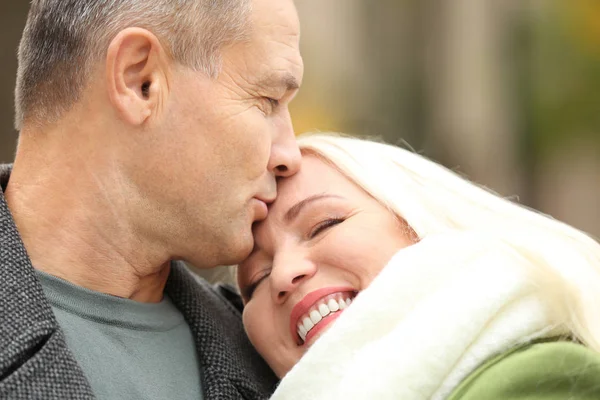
(231, 367)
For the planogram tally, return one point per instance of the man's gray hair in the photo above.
(64, 39)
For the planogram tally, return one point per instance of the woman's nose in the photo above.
(287, 274)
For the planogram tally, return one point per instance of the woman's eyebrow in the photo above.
(293, 212)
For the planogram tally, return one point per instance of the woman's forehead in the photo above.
(314, 175)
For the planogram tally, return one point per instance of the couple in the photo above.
(155, 130)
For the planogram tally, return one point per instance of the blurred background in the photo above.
(507, 92)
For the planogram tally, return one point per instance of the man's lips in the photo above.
(304, 305)
(262, 205)
(266, 198)
(261, 210)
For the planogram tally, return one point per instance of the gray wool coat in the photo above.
(35, 362)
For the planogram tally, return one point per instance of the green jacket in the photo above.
(556, 370)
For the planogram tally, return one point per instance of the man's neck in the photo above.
(76, 226)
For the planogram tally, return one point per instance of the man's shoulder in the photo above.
(35, 359)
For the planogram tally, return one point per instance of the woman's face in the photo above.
(323, 242)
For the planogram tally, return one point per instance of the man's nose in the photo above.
(285, 154)
(288, 274)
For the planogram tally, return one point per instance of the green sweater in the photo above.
(556, 370)
(127, 349)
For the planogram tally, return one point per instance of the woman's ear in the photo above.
(136, 73)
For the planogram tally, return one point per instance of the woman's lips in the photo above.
(317, 310)
(320, 326)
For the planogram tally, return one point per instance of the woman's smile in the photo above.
(316, 311)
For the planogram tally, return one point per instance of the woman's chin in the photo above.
(281, 370)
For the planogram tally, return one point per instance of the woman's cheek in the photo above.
(260, 326)
(359, 253)
(252, 325)
(342, 248)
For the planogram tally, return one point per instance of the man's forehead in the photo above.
(279, 63)
(276, 29)
(266, 64)
(280, 15)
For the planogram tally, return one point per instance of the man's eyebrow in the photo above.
(287, 81)
(293, 212)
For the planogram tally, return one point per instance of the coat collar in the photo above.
(27, 323)
(230, 365)
(21, 293)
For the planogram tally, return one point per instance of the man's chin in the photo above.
(239, 249)
(227, 250)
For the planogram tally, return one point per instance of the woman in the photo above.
(439, 289)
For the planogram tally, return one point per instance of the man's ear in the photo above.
(136, 74)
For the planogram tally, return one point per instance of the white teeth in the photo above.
(302, 330)
(333, 305)
(315, 316)
(302, 335)
(308, 324)
(323, 310)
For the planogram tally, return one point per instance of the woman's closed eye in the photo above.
(248, 291)
(316, 230)
(323, 225)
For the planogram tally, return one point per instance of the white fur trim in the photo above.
(438, 310)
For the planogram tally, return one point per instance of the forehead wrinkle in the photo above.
(287, 75)
(242, 82)
(290, 38)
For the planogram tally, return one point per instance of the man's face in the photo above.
(227, 139)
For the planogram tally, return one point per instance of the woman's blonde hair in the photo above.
(564, 261)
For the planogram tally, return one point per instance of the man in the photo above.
(150, 131)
